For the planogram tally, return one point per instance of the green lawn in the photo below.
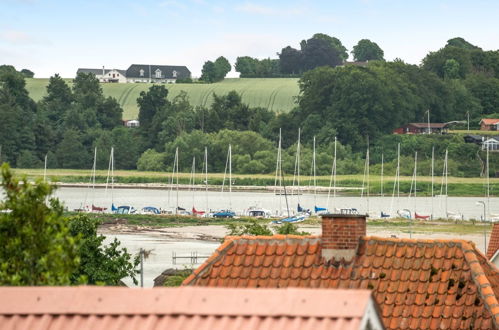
(276, 94)
(473, 132)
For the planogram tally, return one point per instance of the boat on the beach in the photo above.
(125, 209)
(257, 212)
(150, 210)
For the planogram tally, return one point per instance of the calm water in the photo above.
(240, 201)
(162, 249)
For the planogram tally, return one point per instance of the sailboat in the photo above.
(93, 208)
(317, 209)
(445, 183)
(227, 213)
(332, 180)
(366, 181)
(192, 185)
(414, 183)
(382, 194)
(403, 213)
(123, 209)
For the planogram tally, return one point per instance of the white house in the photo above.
(492, 144)
(106, 75)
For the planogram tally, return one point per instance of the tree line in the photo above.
(359, 105)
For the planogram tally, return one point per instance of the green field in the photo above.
(275, 94)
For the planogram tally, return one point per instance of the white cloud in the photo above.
(18, 37)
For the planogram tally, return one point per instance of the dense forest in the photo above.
(358, 104)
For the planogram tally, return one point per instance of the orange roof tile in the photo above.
(416, 283)
(493, 242)
(489, 121)
(184, 308)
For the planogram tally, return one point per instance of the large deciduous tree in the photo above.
(36, 248)
(215, 71)
(291, 61)
(366, 50)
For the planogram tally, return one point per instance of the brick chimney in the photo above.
(341, 234)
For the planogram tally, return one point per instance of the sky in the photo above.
(52, 36)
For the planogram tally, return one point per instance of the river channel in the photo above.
(469, 207)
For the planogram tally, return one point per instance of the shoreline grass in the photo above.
(398, 224)
(347, 184)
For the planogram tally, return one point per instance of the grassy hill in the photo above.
(276, 94)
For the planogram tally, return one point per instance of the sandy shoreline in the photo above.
(215, 233)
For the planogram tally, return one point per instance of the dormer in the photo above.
(157, 73)
(141, 72)
(174, 74)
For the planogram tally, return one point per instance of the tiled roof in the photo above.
(425, 284)
(181, 308)
(489, 121)
(493, 242)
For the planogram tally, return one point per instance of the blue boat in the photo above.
(150, 210)
(320, 209)
(293, 219)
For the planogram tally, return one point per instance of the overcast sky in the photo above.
(51, 36)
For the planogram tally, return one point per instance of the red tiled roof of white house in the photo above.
(186, 308)
(418, 284)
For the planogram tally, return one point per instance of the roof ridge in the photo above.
(272, 237)
(415, 240)
(481, 280)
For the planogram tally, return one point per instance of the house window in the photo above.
(141, 72)
(158, 73)
(174, 74)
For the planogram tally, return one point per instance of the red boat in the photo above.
(98, 209)
(419, 216)
(196, 212)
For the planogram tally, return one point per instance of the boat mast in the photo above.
(230, 177)
(93, 175)
(446, 180)
(432, 178)
(296, 174)
(314, 178)
(396, 184)
(333, 178)
(206, 175)
(172, 177)
(487, 173)
(368, 178)
(415, 180)
(176, 170)
(192, 179)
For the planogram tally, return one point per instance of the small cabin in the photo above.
(422, 128)
(489, 124)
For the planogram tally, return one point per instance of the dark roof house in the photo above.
(418, 284)
(422, 128)
(157, 72)
(186, 308)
